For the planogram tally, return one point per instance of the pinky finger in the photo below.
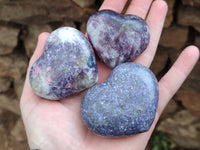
(173, 79)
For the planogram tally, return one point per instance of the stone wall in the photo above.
(21, 21)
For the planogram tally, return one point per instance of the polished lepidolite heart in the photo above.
(124, 104)
(66, 67)
(117, 38)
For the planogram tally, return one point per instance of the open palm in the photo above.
(57, 125)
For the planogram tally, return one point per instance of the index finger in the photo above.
(115, 5)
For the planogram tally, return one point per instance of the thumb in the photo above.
(27, 91)
(39, 48)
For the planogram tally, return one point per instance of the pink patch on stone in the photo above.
(36, 70)
(48, 68)
(48, 80)
(67, 86)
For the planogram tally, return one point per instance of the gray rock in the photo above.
(174, 37)
(84, 3)
(8, 39)
(195, 3)
(197, 41)
(4, 84)
(14, 65)
(124, 104)
(183, 129)
(169, 17)
(42, 11)
(18, 131)
(18, 86)
(66, 67)
(189, 16)
(9, 102)
(117, 38)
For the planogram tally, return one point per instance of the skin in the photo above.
(57, 124)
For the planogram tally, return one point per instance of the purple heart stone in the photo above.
(66, 67)
(117, 38)
(124, 104)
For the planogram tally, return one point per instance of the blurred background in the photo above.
(21, 21)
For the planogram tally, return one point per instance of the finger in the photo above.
(103, 71)
(173, 79)
(115, 5)
(155, 20)
(27, 91)
(139, 7)
(39, 48)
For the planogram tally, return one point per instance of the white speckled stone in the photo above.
(124, 104)
(66, 67)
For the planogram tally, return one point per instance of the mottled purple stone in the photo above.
(117, 38)
(66, 67)
(124, 104)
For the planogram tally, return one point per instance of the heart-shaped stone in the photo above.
(124, 104)
(66, 67)
(117, 38)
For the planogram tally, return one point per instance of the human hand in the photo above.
(57, 124)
